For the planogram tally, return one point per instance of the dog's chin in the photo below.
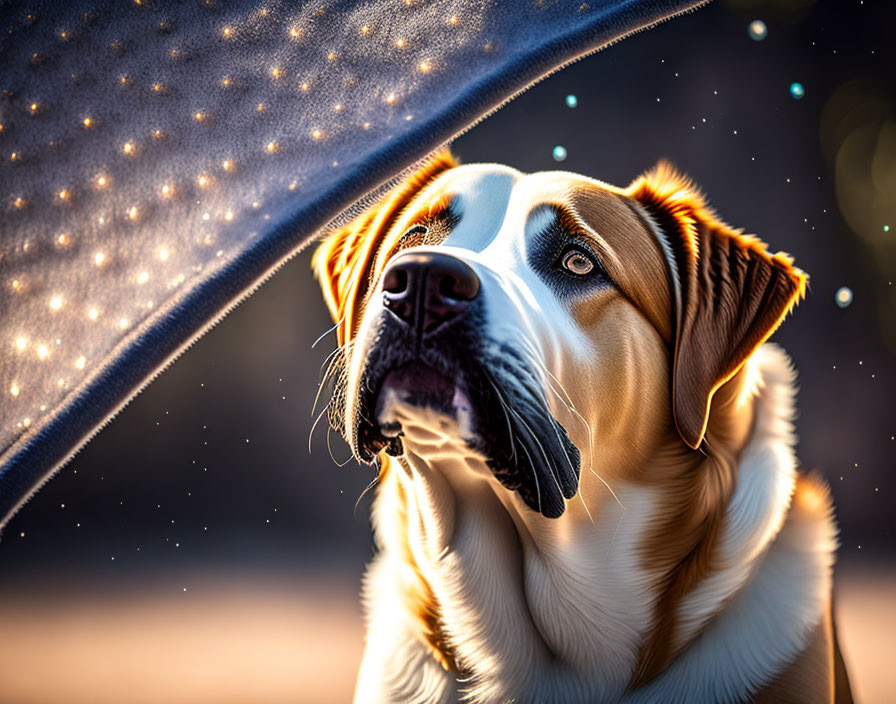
(416, 394)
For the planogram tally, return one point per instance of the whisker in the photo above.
(370, 486)
(534, 476)
(328, 360)
(569, 461)
(609, 488)
(327, 332)
(550, 379)
(320, 388)
(330, 451)
(336, 366)
(316, 421)
(330, 375)
(585, 506)
(618, 523)
(563, 445)
(338, 354)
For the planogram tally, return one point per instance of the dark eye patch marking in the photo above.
(553, 249)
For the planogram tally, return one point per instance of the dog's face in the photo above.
(560, 330)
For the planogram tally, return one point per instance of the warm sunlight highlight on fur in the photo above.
(344, 261)
(669, 190)
(417, 592)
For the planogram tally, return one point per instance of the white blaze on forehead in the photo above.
(479, 198)
(539, 219)
(526, 213)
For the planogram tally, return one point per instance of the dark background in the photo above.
(208, 470)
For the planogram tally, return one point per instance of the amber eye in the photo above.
(575, 261)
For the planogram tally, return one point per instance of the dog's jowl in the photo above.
(587, 485)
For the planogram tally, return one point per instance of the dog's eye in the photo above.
(575, 261)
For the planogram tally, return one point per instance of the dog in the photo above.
(587, 489)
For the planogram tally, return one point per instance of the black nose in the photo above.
(428, 289)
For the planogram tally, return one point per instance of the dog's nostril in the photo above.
(446, 287)
(395, 280)
(459, 282)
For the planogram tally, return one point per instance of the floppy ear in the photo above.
(729, 293)
(344, 262)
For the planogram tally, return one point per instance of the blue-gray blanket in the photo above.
(159, 159)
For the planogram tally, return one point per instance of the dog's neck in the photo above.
(515, 604)
(770, 586)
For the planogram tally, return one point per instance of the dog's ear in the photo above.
(345, 260)
(729, 293)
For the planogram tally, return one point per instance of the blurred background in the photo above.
(195, 551)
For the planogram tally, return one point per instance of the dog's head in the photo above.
(548, 322)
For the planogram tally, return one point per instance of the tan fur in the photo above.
(696, 486)
(626, 397)
(696, 489)
(723, 276)
(631, 256)
(733, 293)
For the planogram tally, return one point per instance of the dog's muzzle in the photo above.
(430, 348)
